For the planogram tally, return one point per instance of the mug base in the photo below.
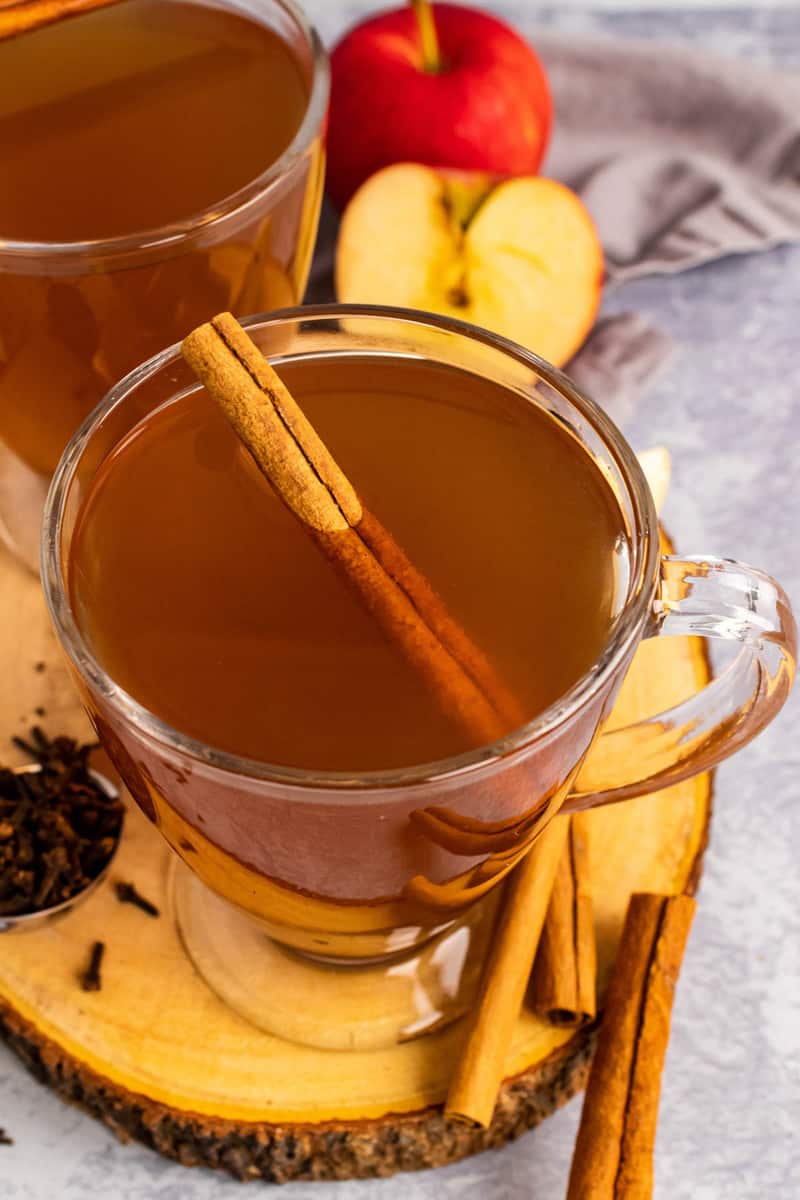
(347, 1006)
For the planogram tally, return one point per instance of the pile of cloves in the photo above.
(58, 827)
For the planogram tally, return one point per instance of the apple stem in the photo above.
(431, 60)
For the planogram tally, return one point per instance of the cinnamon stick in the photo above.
(301, 469)
(613, 1157)
(563, 983)
(481, 1068)
(21, 16)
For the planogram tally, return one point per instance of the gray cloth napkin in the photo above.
(680, 158)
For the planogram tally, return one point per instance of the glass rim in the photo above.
(174, 233)
(625, 630)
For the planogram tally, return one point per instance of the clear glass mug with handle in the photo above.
(77, 316)
(361, 887)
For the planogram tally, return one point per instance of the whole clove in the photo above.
(91, 980)
(5, 1140)
(58, 827)
(127, 893)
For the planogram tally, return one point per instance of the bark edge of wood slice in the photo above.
(281, 1152)
(122, 1056)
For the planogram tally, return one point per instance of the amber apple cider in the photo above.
(120, 121)
(208, 602)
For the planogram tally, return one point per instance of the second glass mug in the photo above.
(361, 869)
(75, 317)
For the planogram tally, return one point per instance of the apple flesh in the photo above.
(485, 108)
(521, 258)
(657, 467)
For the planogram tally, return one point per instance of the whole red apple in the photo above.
(439, 84)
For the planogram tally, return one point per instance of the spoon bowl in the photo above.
(30, 921)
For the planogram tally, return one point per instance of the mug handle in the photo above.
(712, 598)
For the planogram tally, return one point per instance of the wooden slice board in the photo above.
(156, 1056)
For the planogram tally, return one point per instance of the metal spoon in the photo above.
(27, 922)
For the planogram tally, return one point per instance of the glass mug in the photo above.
(75, 317)
(316, 874)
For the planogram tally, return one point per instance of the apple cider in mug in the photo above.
(209, 604)
(144, 116)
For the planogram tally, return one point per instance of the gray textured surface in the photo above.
(729, 409)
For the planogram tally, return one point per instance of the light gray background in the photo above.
(729, 410)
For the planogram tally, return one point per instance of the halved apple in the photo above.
(657, 466)
(520, 257)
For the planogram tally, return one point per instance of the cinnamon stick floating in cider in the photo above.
(480, 1071)
(21, 16)
(613, 1157)
(563, 983)
(288, 451)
